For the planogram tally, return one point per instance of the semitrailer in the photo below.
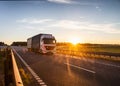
(42, 43)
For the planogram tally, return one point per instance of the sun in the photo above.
(75, 41)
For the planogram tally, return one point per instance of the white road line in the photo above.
(108, 64)
(42, 83)
(37, 78)
(80, 68)
(91, 61)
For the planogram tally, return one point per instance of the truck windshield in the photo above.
(49, 41)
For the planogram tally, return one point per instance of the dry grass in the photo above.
(25, 76)
(1, 70)
(111, 49)
(80, 52)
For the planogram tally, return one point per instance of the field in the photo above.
(90, 50)
(90, 47)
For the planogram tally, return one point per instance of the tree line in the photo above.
(19, 44)
(2, 44)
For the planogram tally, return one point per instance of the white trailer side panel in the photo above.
(29, 43)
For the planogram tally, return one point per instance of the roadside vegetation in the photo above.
(19, 44)
(26, 76)
(102, 51)
(6, 70)
(89, 47)
(2, 44)
(1, 68)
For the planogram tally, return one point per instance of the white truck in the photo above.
(42, 43)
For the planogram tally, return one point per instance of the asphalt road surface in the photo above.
(61, 70)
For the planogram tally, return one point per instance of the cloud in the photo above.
(29, 27)
(33, 21)
(78, 25)
(79, 2)
(69, 25)
(98, 8)
(66, 24)
(62, 1)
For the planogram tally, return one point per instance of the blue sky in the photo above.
(91, 21)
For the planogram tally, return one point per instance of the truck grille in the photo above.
(49, 47)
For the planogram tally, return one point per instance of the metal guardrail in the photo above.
(18, 80)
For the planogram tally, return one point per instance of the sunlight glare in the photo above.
(75, 41)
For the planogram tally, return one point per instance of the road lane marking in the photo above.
(80, 68)
(42, 83)
(108, 64)
(37, 78)
(112, 65)
(39, 81)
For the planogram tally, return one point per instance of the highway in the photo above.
(61, 70)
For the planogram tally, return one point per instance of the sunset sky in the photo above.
(90, 21)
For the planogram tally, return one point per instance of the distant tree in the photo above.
(19, 44)
(63, 44)
(2, 44)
